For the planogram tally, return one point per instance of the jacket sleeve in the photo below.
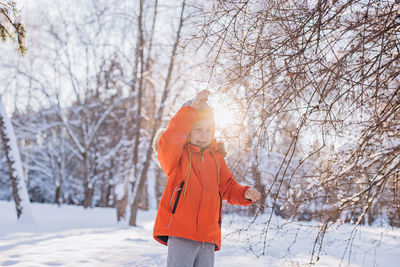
(231, 190)
(170, 146)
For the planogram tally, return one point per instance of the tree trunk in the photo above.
(140, 185)
(19, 190)
(60, 179)
(140, 65)
(58, 195)
(121, 203)
(88, 196)
(86, 190)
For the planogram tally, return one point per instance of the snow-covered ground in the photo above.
(73, 236)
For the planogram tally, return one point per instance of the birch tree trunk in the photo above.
(139, 186)
(19, 191)
(139, 69)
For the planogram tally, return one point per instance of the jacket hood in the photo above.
(156, 139)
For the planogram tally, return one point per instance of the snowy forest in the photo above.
(306, 96)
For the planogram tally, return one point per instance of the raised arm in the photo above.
(170, 146)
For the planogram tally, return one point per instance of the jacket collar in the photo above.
(211, 147)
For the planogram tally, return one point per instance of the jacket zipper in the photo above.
(220, 209)
(201, 197)
(178, 195)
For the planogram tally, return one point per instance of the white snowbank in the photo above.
(73, 236)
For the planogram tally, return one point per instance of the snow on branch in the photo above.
(11, 25)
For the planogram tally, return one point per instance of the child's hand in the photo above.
(252, 194)
(200, 100)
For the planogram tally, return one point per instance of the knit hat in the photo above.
(206, 113)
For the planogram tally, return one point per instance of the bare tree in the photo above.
(157, 123)
(112, 97)
(45, 152)
(332, 67)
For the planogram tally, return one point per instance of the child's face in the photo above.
(202, 133)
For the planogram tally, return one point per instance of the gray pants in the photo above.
(188, 253)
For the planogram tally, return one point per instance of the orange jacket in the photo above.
(195, 215)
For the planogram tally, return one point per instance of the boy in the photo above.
(189, 215)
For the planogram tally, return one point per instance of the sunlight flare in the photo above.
(224, 117)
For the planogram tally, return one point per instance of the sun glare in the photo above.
(225, 111)
(224, 117)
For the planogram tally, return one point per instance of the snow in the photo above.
(74, 236)
(119, 191)
(151, 189)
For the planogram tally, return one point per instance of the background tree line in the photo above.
(86, 97)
